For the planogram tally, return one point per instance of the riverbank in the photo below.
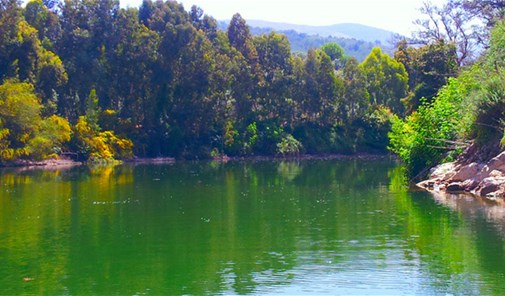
(485, 179)
(363, 156)
(59, 163)
(46, 164)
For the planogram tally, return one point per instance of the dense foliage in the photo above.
(106, 82)
(109, 82)
(469, 108)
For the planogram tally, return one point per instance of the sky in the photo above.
(393, 15)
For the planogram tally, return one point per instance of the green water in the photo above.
(311, 227)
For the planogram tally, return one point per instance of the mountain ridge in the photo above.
(357, 40)
(339, 30)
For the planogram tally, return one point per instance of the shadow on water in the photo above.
(265, 227)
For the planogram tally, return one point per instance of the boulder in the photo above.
(428, 184)
(454, 187)
(470, 184)
(466, 172)
(483, 179)
(490, 185)
(500, 193)
(497, 163)
(497, 174)
(443, 171)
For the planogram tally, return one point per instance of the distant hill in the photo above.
(355, 31)
(301, 42)
(356, 40)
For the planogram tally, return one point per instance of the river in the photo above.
(334, 227)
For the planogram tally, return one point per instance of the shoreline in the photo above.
(68, 163)
(483, 179)
(44, 164)
(225, 158)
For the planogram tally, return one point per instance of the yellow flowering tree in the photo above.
(24, 133)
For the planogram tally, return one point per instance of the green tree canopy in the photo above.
(387, 80)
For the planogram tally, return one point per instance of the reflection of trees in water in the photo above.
(209, 228)
(289, 169)
(454, 238)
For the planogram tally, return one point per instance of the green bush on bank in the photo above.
(24, 133)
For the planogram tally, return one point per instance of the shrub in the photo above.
(423, 138)
(101, 146)
(289, 146)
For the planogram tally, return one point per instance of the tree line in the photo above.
(105, 82)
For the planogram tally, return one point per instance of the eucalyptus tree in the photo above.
(276, 62)
(429, 68)
(387, 80)
(356, 99)
(47, 22)
(10, 16)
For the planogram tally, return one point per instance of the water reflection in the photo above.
(475, 207)
(310, 227)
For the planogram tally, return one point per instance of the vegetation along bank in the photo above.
(97, 82)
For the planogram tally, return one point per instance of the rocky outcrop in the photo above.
(482, 179)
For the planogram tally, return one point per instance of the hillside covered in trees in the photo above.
(105, 82)
(301, 42)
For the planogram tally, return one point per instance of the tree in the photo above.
(322, 89)
(491, 11)
(191, 107)
(30, 62)
(356, 100)
(429, 68)
(240, 37)
(45, 21)
(53, 133)
(23, 132)
(274, 55)
(452, 23)
(10, 16)
(336, 54)
(469, 109)
(131, 68)
(330, 90)
(387, 80)
(94, 144)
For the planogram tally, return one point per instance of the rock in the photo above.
(497, 174)
(490, 185)
(428, 184)
(454, 187)
(440, 187)
(443, 171)
(484, 173)
(497, 163)
(499, 193)
(486, 189)
(466, 172)
(470, 184)
(489, 171)
(483, 179)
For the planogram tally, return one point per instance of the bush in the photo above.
(289, 146)
(23, 131)
(423, 139)
(101, 146)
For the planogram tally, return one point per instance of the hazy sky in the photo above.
(394, 15)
